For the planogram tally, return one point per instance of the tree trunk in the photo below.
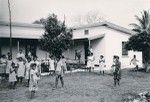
(146, 58)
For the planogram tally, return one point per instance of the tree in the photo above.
(141, 40)
(90, 17)
(41, 21)
(57, 38)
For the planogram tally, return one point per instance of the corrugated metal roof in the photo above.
(106, 24)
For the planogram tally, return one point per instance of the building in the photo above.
(105, 38)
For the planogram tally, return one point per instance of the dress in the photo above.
(90, 62)
(102, 64)
(9, 62)
(12, 75)
(33, 86)
(27, 66)
(134, 62)
(38, 68)
(21, 69)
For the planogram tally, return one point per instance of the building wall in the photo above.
(98, 47)
(114, 41)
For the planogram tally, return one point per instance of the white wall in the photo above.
(114, 41)
(98, 47)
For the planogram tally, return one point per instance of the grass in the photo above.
(82, 87)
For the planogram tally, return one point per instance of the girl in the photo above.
(102, 64)
(117, 70)
(134, 62)
(90, 62)
(27, 71)
(12, 76)
(21, 69)
(33, 86)
(9, 64)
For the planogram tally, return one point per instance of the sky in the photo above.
(120, 12)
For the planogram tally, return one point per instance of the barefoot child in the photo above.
(90, 62)
(117, 70)
(21, 69)
(134, 62)
(102, 64)
(27, 70)
(60, 71)
(12, 76)
(33, 86)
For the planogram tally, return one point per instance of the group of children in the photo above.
(116, 66)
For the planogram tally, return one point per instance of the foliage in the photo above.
(141, 40)
(57, 38)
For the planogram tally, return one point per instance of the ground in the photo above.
(81, 87)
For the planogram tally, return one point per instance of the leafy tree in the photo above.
(57, 38)
(141, 40)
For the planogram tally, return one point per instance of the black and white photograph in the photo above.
(74, 50)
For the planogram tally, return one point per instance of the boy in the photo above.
(60, 71)
(117, 70)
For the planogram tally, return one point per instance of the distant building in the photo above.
(104, 38)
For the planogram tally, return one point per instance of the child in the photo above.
(117, 70)
(60, 71)
(37, 66)
(21, 69)
(102, 64)
(90, 62)
(134, 62)
(12, 76)
(27, 71)
(52, 68)
(9, 62)
(33, 86)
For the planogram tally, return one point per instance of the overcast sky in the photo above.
(120, 12)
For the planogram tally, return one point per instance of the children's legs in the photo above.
(32, 94)
(103, 72)
(56, 81)
(62, 81)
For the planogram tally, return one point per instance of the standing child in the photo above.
(12, 76)
(9, 62)
(27, 70)
(33, 86)
(134, 62)
(60, 71)
(117, 70)
(90, 62)
(102, 64)
(21, 69)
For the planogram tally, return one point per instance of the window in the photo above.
(86, 32)
(124, 50)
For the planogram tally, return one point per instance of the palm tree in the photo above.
(141, 40)
(144, 23)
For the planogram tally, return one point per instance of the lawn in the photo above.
(81, 87)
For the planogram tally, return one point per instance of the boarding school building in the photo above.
(104, 38)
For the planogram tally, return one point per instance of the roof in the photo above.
(90, 37)
(106, 24)
(16, 24)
